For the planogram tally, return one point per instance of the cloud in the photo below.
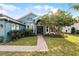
(8, 7)
(40, 7)
(46, 7)
(3, 12)
(16, 12)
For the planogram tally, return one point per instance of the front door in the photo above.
(39, 29)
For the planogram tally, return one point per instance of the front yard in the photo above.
(63, 46)
(27, 41)
(69, 45)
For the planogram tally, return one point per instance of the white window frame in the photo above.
(13, 26)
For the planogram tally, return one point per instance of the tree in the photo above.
(74, 6)
(57, 20)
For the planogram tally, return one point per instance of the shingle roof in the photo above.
(2, 16)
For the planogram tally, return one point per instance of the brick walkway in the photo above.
(41, 46)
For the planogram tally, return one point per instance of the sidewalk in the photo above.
(41, 46)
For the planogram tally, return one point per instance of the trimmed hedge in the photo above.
(16, 34)
(1, 38)
(29, 32)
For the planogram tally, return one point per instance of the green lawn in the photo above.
(28, 41)
(67, 46)
(63, 46)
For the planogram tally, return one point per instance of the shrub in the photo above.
(29, 32)
(73, 30)
(12, 35)
(15, 34)
(18, 35)
(1, 38)
(77, 32)
(55, 35)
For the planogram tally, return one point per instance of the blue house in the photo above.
(7, 24)
(30, 21)
(33, 21)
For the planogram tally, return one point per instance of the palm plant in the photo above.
(74, 6)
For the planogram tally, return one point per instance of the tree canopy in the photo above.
(58, 19)
(74, 6)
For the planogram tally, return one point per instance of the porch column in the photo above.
(44, 30)
(35, 29)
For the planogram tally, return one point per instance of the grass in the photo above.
(28, 41)
(67, 46)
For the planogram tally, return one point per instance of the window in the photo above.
(47, 29)
(17, 27)
(27, 26)
(31, 26)
(13, 27)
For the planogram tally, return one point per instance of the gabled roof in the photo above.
(28, 15)
(37, 18)
(5, 17)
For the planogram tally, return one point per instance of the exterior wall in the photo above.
(21, 27)
(67, 29)
(35, 29)
(28, 18)
(46, 28)
(8, 26)
(2, 29)
(30, 25)
(29, 21)
(76, 25)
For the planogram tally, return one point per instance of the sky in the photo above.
(17, 10)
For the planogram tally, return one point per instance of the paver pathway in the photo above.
(41, 46)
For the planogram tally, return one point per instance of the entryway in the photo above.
(39, 29)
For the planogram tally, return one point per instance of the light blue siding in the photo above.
(7, 27)
(35, 30)
(29, 21)
(2, 30)
(28, 18)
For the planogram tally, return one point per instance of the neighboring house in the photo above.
(67, 29)
(7, 24)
